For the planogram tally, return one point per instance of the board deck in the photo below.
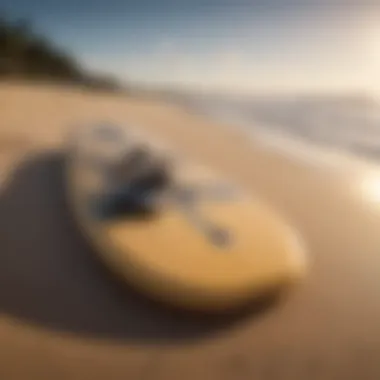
(209, 247)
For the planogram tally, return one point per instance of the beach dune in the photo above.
(63, 317)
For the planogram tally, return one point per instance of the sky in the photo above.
(237, 46)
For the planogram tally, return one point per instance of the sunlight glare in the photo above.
(370, 188)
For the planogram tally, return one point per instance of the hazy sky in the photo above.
(272, 45)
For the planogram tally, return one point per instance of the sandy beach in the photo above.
(63, 317)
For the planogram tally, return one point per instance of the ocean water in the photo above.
(327, 129)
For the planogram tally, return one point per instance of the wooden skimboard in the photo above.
(217, 251)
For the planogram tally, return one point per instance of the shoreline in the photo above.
(307, 152)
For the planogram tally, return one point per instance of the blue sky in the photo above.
(236, 45)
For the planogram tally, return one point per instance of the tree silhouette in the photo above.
(25, 54)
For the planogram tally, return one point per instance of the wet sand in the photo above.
(62, 316)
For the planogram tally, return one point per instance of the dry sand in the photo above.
(63, 317)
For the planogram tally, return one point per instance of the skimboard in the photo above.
(184, 234)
